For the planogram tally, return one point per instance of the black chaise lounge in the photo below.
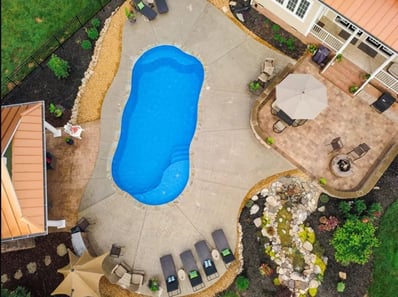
(203, 251)
(170, 275)
(144, 9)
(223, 247)
(190, 267)
(161, 5)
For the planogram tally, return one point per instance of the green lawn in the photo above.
(26, 25)
(385, 271)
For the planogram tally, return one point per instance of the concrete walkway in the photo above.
(226, 158)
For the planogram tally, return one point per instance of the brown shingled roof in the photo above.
(23, 191)
(378, 18)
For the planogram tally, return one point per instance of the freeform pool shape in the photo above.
(151, 161)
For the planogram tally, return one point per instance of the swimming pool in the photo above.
(151, 161)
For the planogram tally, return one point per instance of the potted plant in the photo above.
(339, 57)
(365, 76)
(130, 15)
(269, 140)
(352, 89)
(69, 140)
(56, 110)
(311, 48)
(154, 285)
(255, 87)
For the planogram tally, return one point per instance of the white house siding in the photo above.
(301, 25)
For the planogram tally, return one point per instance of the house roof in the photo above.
(378, 18)
(23, 176)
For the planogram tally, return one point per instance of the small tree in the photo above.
(92, 33)
(86, 44)
(353, 242)
(242, 283)
(18, 292)
(59, 66)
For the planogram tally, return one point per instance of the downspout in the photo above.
(341, 49)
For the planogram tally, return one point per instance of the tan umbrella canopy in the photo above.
(301, 96)
(81, 276)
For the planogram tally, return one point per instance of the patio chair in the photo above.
(137, 279)
(118, 272)
(170, 275)
(279, 126)
(321, 55)
(162, 6)
(223, 247)
(336, 145)
(358, 152)
(116, 250)
(73, 130)
(188, 261)
(203, 251)
(267, 70)
(144, 9)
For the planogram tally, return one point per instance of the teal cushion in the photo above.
(193, 274)
(140, 5)
(225, 252)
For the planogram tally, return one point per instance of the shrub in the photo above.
(59, 66)
(291, 44)
(345, 208)
(249, 203)
(359, 207)
(352, 89)
(153, 285)
(92, 33)
(324, 198)
(242, 283)
(55, 110)
(353, 242)
(18, 292)
(265, 270)
(254, 85)
(375, 210)
(311, 48)
(276, 28)
(86, 44)
(95, 22)
(328, 224)
(229, 293)
(340, 287)
(276, 281)
(312, 291)
(269, 140)
(278, 37)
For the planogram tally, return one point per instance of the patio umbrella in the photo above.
(301, 96)
(81, 276)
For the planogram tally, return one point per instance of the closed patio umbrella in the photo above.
(301, 96)
(81, 276)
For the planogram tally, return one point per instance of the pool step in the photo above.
(180, 153)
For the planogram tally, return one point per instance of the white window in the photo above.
(297, 7)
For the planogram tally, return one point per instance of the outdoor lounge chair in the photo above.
(204, 254)
(144, 9)
(358, 152)
(161, 5)
(188, 261)
(73, 130)
(137, 279)
(267, 70)
(223, 247)
(118, 272)
(170, 275)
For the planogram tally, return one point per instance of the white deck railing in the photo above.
(326, 37)
(388, 80)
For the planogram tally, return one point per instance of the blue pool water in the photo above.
(151, 161)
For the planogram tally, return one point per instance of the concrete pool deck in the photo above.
(226, 158)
